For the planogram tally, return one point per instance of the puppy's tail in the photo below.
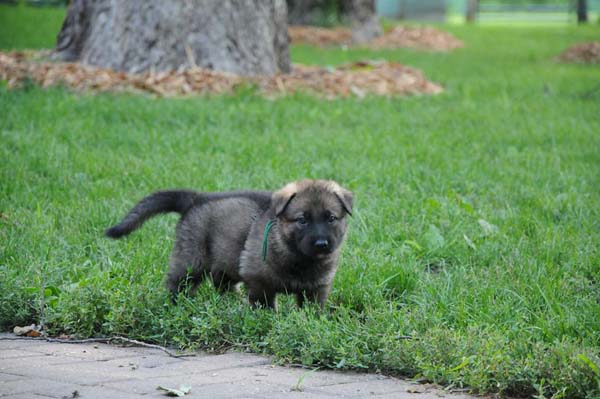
(179, 201)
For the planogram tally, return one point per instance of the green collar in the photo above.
(268, 227)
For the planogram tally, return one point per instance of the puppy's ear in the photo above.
(345, 197)
(282, 198)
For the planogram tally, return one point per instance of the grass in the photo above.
(28, 27)
(475, 232)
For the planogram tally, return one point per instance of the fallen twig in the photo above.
(105, 340)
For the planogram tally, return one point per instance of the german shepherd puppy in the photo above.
(287, 241)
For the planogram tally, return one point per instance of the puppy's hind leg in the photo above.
(183, 273)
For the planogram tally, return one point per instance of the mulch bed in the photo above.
(415, 37)
(586, 53)
(356, 79)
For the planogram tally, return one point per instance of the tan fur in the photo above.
(288, 190)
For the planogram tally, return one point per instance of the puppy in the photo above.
(287, 241)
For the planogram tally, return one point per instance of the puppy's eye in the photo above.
(331, 218)
(301, 220)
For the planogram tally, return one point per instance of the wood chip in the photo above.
(355, 79)
(586, 53)
(416, 37)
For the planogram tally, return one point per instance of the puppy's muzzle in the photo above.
(321, 245)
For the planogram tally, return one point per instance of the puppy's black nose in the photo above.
(321, 243)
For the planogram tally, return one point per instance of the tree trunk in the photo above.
(247, 37)
(310, 12)
(582, 14)
(471, 10)
(361, 15)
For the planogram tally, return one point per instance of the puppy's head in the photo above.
(312, 216)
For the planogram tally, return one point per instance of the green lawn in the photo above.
(28, 27)
(476, 229)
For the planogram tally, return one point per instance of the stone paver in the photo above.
(39, 369)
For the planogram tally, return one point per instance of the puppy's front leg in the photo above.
(300, 298)
(262, 297)
(318, 295)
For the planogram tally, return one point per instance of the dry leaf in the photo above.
(358, 78)
(416, 390)
(181, 391)
(34, 333)
(418, 37)
(588, 53)
(29, 331)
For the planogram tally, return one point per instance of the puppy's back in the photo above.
(216, 232)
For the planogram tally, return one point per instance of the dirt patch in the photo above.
(416, 37)
(585, 53)
(356, 79)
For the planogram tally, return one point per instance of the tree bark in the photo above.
(247, 37)
(359, 14)
(471, 10)
(308, 12)
(362, 17)
(582, 14)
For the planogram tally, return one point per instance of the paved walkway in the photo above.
(39, 369)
